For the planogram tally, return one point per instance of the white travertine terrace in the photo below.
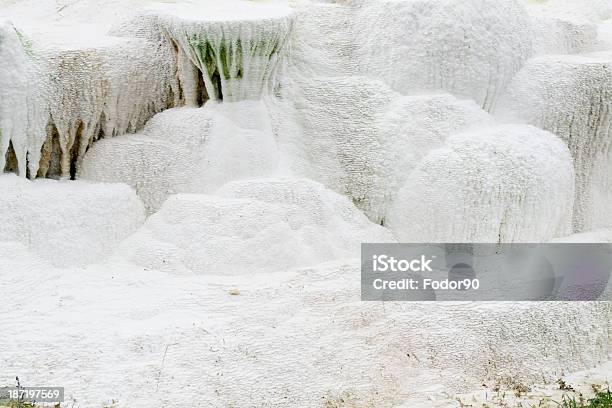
(470, 48)
(571, 96)
(73, 91)
(518, 181)
(230, 156)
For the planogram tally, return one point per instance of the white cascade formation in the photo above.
(21, 122)
(235, 59)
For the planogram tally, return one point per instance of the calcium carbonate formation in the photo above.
(235, 59)
(231, 156)
(188, 150)
(68, 223)
(264, 225)
(62, 98)
(516, 180)
(570, 96)
(469, 48)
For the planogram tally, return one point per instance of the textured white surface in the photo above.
(258, 226)
(561, 34)
(302, 338)
(361, 139)
(371, 111)
(600, 235)
(237, 57)
(471, 48)
(188, 150)
(100, 85)
(83, 92)
(18, 125)
(501, 184)
(571, 96)
(593, 10)
(67, 223)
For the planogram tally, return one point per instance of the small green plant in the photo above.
(602, 399)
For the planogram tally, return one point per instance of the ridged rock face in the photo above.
(102, 92)
(58, 100)
(236, 60)
(470, 48)
(571, 96)
(255, 226)
(502, 184)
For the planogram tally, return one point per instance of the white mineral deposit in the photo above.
(185, 186)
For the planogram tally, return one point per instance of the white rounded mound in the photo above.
(408, 129)
(571, 96)
(471, 48)
(258, 226)
(188, 150)
(337, 142)
(67, 223)
(502, 184)
(361, 139)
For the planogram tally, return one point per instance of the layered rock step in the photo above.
(571, 96)
(61, 92)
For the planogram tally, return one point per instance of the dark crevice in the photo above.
(100, 133)
(202, 92)
(216, 79)
(51, 155)
(74, 151)
(11, 165)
